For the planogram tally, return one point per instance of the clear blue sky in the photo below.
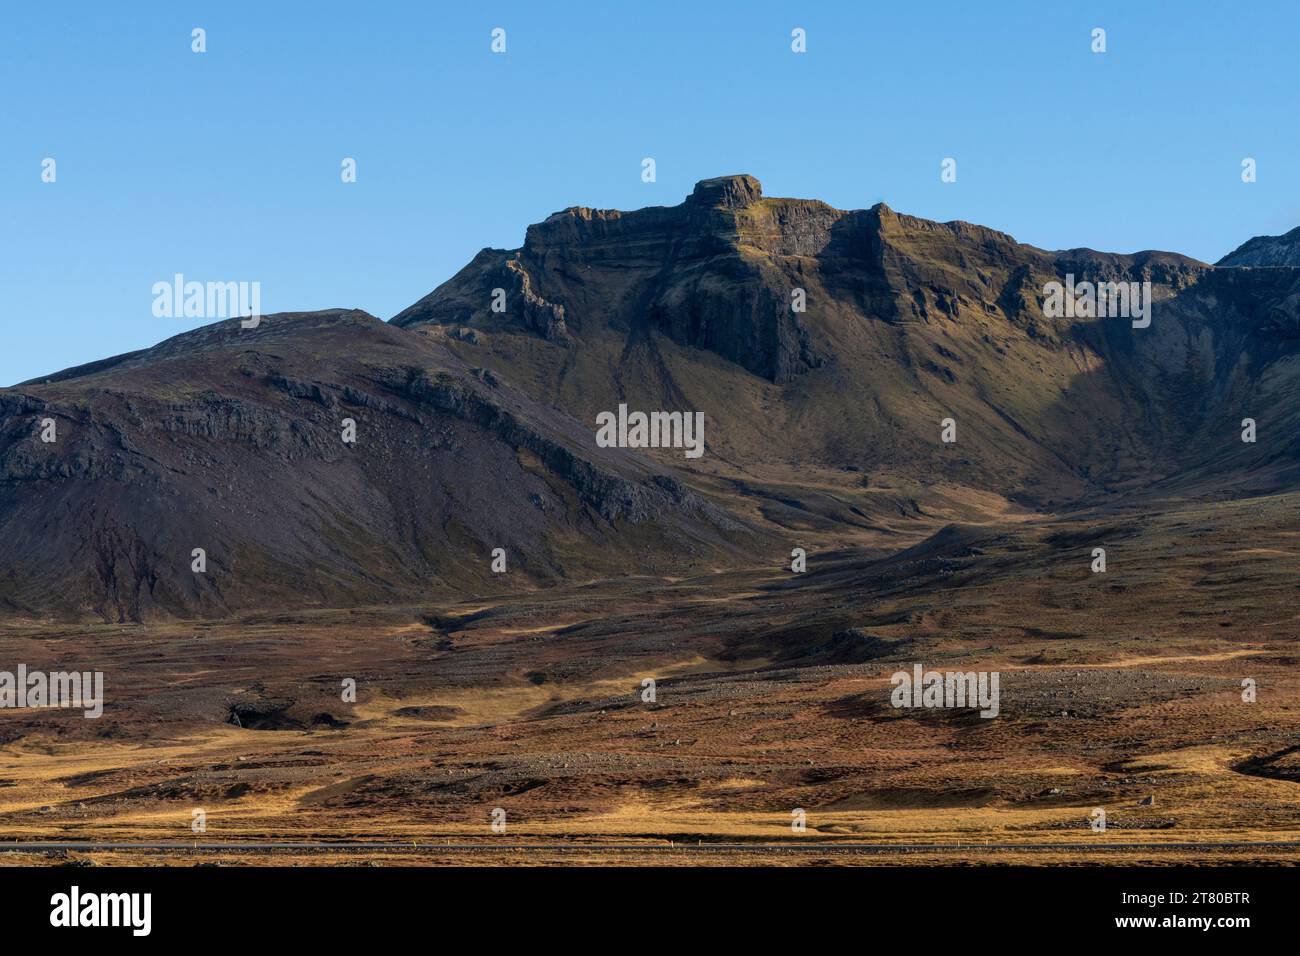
(225, 165)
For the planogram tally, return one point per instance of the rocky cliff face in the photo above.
(688, 272)
(906, 322)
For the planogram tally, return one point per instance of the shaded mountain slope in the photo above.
(231, 440)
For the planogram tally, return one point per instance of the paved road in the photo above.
(803, 847)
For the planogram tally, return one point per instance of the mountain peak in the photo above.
(737, 190)
(1281, 250)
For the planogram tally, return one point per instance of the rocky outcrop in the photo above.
(545, 318)
(683, 271)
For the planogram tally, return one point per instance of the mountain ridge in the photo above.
(824, 348)
(715, 276)
(1266, 251)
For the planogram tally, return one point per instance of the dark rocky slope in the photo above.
(230, 440)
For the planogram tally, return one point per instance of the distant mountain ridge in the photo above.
(1270, 251)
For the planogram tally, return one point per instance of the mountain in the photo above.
(907, 322)
(824, 348)
(1272, 251)
(231, 440)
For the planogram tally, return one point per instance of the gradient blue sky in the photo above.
(225, 165)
